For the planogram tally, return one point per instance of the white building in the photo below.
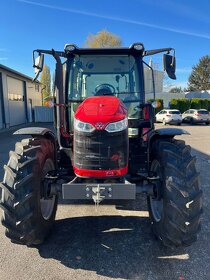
(198, 94)
(18, 96)
(158, 79)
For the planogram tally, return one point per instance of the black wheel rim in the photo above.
(47, 205)
(156, 202)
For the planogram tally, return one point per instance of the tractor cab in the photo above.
(99, 72)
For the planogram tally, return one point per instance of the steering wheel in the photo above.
(130, 98)
(104, 89)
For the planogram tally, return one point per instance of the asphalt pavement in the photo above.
(108, 243)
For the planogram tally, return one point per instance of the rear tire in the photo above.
(28, 217)
(175, 212)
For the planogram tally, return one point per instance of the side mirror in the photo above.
(169, 64)
(38, 64)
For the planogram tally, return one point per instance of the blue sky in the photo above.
(30, 24)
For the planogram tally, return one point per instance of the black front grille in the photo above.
(100, 150)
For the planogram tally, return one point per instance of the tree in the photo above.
(175, 90)
(103, 39)
(200, 76)
(45, 80)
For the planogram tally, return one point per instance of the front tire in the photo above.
(27, 216)
(176, 206)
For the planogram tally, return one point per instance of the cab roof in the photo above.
(136, 48)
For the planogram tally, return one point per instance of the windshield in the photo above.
(174, 112)
(104, 75)
(204, 112)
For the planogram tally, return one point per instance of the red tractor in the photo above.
(105, 148)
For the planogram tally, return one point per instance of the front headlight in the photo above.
(117, 126)
(83, 126)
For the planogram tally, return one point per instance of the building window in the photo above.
(15, 97)
(15, 89)
(37, 87)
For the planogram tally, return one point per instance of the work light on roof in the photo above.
(69, 47)
(138, 46)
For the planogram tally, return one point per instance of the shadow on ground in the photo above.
(115, 246)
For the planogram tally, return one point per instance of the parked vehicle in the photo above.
(106, 148)
(193, 116)
(169, 116)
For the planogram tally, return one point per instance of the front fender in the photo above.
(40, 132)
(162, 133)
(37, 131)
(168, 131)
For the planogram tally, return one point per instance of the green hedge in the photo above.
(181, 104)
(198, 103)
(184, 104)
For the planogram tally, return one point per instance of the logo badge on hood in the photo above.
(100, 126)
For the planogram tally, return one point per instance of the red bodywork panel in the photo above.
(100, 173)
(101, 109)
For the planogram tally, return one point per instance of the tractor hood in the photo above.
(101, 109)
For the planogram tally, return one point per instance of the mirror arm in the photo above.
(55, 54)
(35, 78)
(151, 52)
(50, 52)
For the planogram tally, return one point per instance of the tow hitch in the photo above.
(98, 192)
